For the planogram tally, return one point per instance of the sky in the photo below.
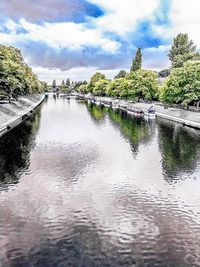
(73, 39)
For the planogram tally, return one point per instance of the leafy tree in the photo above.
(183, 85)
(16, 78)
(94, 79)
(164, 73)
(121, 87)
(121, 74)
(137, 61)
(97, 77)
(143, 84)
(182, 50)
(100, 87)
(114, 88)
(63, 87)
(82, 89)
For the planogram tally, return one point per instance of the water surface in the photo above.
(85, 186)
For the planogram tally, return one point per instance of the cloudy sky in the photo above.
(74, 38)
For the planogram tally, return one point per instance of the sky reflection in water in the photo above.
(82, 185)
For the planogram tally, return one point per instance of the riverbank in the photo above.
(12, 114)
(185, 117)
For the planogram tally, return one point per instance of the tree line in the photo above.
(182, 84)
(16, 77)
(67, 86)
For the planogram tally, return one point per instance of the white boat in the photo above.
(150, 113)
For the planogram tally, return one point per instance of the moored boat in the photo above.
(150, 113)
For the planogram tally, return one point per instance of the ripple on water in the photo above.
(83, 186)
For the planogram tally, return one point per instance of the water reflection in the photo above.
(180, 148)
(135, 130)
(94, 191)
(15, 150)
(97, 113)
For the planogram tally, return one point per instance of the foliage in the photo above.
(115, 87)
(63, 86)
(137, 61)
(68, 83)
(82, 89)
(121, 74)
(45, 86)
(183, 85)
(121, 87)
(100, 87)
(143, 84)
(16, 77)
(182, 50)
(54, 84)
(164, 73)
(95, 79)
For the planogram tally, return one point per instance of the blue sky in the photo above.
(64, 38)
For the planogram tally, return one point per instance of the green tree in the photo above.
(63, 86)
(143, 84)
(54, 84)
(164, 73)
(183, 85)
(94, 79)
(137, 61)
(16, 77)
(100, 87)
(182, 50)
(121, 87)
(121, 74)
(68, 82)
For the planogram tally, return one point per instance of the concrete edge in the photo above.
(184, 122)
(21, 117)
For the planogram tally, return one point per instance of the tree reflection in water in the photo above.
(136, 130)
(15, 150)
(97, 113)
(179, 148)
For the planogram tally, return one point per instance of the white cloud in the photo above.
(184, 18)
(59, 35)
(121, 17)
(75, 74)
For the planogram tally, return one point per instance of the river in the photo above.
(82, 185)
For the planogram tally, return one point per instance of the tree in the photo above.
(68, 82)
(137, 61)
(54, 84)
(143, 84)
(100, 87)
(63, 87)
(114, 88)
(121, 87)
(94, 79)
(183, 85)
(164, 73)
(182, 50)
(16, 77)
(121, 74)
